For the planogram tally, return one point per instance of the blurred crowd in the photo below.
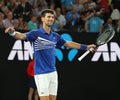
(74, 15)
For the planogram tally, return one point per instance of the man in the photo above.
(44, 42)
(32, 93)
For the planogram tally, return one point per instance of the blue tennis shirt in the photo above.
(44, 45)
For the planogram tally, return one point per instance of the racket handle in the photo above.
(85, 54)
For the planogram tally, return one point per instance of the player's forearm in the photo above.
(76, 45)
(19, 35)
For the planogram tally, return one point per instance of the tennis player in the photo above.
(44, 42)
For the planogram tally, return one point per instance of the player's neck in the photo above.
(47, 28)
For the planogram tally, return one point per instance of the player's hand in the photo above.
(9, 30)
(92, 47)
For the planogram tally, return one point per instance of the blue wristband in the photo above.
(83, 47)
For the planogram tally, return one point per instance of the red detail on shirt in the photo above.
(30, 69)
(104, 4)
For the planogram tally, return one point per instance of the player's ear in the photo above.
(42, 19)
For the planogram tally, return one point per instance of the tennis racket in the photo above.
(105, 36)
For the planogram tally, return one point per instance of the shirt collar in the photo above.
(43, 31)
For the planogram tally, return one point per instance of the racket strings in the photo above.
(105, 36)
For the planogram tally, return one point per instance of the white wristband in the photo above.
(12, 33)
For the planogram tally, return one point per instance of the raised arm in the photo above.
(80, 46)
(18, 35)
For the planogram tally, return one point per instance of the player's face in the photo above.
(48, 20)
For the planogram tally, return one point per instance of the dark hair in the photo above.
(43, 12)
